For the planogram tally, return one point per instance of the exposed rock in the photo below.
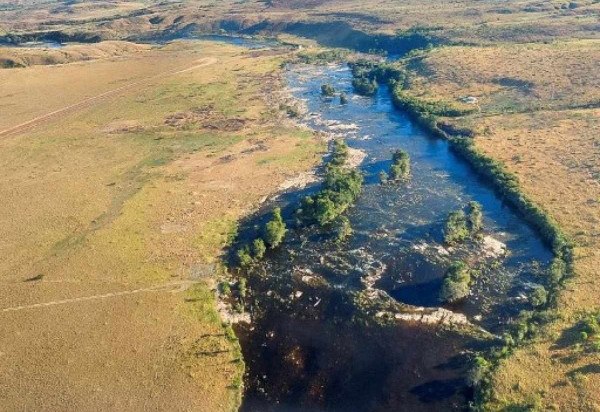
(439, 316)
(493, 248)
(355, 157)
(299, 181)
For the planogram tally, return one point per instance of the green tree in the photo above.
(327, 90)
(365, 86)
(343, 229)
(479, 371)
(225, 288)
(400, 165)
(242, 288)
(474, 217)
(244, 256)
(258, 248)
(275, 229)
(456, 230)
(339, 153)
(343, 98)
(539, 296)
(340, 189)
(456, 284)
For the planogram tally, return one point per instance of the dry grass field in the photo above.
(114, 213)
(538, 114)
(473, 22)
(11, 57)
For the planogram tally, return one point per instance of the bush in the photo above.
(479, 372)
(242, 288)
(322, 57)
(365, 86)
(258, 249)
(474, 217)
(460, 225)
(457, 281)
(244, 256)
(539, 296)
(340, 189)
(225, 288)
(456, 230)
(589, 332)
(275, 229)
(400, 165)
(343, 98)
(327, 90)
(339, 153)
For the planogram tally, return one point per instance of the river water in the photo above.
(310, 346)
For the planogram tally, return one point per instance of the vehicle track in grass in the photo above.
(91, 101)
(173, 287)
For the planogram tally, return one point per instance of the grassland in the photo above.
(462, 21)
(531, 65)
(114, 213)
(537, 112)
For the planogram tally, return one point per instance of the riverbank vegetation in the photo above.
(536, 111)
(400, 169)
(457, 283)
(272, 235)
(341, 187)
(461, 225)
(327, 90)
(275, 229)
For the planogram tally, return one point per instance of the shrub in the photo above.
(322, 57)
(225, 288)
(343, 98)
(244, 256)
(400, 165)
(365, 86)
(327, 90)
(539, 296)
(242, 288)
(339, 153)
(456, 283)
(340, 189)
(456, 230)
(474, 217)
(479, 371)
(258, 249)
(275, 229)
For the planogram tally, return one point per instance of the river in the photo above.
(311, 347)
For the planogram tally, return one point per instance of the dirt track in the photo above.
(167, 287)
(89, 102)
